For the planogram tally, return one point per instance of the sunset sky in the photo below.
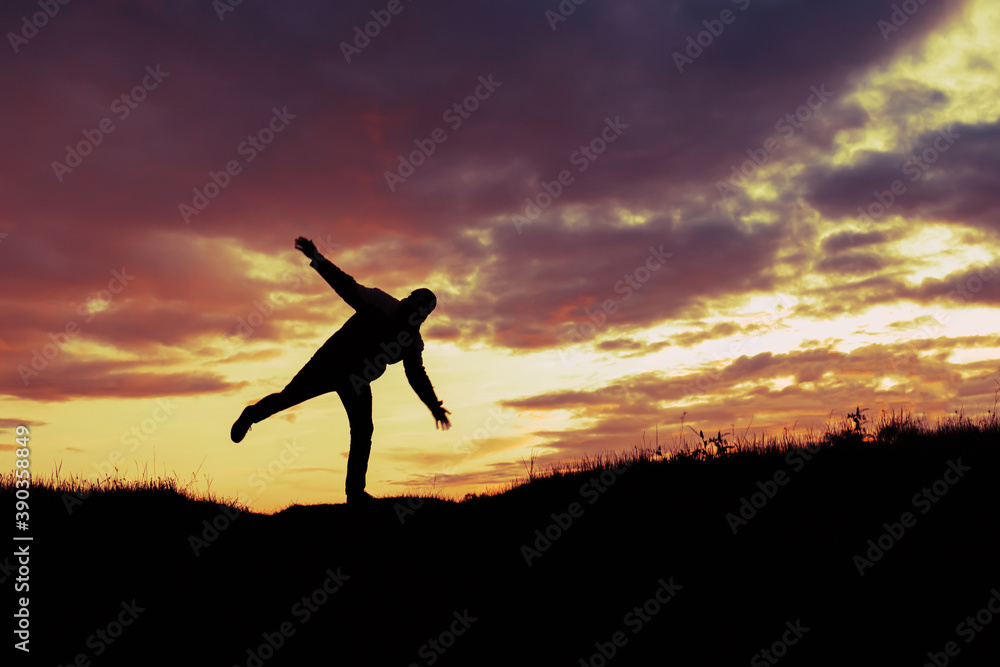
(749, 213)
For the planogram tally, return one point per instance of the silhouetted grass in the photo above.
(144, 487)
(855, 430)
(544, 564)
(892, 430)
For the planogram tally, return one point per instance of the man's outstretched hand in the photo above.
(307, 247)
(441, 418)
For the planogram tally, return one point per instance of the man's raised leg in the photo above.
(308, 383)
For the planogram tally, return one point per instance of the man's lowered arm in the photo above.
(413, 366)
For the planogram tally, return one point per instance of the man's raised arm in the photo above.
(343, 284)
(413, 366)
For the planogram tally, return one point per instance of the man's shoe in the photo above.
(359, 498)
(242, 424)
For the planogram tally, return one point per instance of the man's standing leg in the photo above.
(358, 403)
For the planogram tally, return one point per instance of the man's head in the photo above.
(419, 305)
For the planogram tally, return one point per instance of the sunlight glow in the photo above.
(628, 218)
(725, 338)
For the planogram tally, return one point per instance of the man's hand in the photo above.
(440, 417)
(307, 247)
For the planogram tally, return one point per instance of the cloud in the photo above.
(891, 376)
(6, 423)
(620, 345)
(852, 263)
(846, 240)
(67, 378)
(718, 330)
(326, 171)
(949, 173)
(591, 271)
(977, 285)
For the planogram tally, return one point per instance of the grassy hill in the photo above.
(872, 545)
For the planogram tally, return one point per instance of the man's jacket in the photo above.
(380, 333)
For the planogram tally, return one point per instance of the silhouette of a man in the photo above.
(382, 331)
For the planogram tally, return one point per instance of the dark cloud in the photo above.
(12, 423)
(577, 272)
(65, 377)
(858, 262)
(843, 240)
(906, 325)
(629, 282)
(948, 174)
(910, 98)
(620, 345)
(9, 425)
(977, 285)
(719, 330)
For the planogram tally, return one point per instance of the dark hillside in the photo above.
(639, 564)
